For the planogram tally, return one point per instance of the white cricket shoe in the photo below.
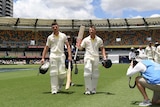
(54, 92)
(93, 92)
(71, 84)
(87, 93)
(145, 103)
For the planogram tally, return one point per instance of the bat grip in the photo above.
(69, 65)
(75, 56)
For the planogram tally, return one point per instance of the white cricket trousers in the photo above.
(57, 72)
(91, 73)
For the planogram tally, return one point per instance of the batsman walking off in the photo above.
(92, 43)
(56, 42)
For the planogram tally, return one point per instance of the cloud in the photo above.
(116, 8)
(61, 9)
(155, 15)
(86, 9)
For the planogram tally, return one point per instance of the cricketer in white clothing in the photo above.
(141, 50)
(56, 42)
(150, 51)
(92, 43)
(157, 55)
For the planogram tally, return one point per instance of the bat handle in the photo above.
(69, 65)
(75, 54)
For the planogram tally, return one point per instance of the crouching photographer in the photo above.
(149, 78)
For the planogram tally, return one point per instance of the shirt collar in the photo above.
(94, 38)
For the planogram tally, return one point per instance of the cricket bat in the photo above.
(68, 76)
(80, 37)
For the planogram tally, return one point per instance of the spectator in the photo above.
(7, 53)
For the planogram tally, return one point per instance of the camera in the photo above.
(136, 52)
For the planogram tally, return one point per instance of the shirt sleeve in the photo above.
(101, 43)
(83, 43)
(65, 38)
(48, 43)
(140, 67)
(158, 50)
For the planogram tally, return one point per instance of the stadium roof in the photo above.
(73, 24)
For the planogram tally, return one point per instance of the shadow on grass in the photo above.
(78, 85)
(154, 106)
(61, 92)
(75, 85)
(107, 93)
(66, 92)
(135, 102)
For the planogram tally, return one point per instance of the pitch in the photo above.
(24, 88)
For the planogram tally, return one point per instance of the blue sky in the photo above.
(86, 9)
(98, 12)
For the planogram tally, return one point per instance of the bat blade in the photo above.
(81, 32)
(80, 37)
(68, 76)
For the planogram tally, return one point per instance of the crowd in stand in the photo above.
(134, 37)
(19, 38)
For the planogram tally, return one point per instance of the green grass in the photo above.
(24, 88)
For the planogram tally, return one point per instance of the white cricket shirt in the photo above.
(92, 46)
(56, 43)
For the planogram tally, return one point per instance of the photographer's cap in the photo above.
(132, 48)
(141, 57)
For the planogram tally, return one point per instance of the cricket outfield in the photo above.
(20, 86)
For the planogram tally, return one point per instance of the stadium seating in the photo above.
(20, 39)
(135, 37)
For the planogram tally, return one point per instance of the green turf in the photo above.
(24, 88)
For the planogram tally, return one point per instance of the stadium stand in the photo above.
(22, 38)
(119, 35)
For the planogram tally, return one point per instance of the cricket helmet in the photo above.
(44, 68)
(107, 63)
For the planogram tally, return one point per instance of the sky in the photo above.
(85, 9)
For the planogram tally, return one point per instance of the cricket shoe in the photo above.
(87, 93)
(93, 92)
(145, 103)
(54, 92)
(71, 84)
